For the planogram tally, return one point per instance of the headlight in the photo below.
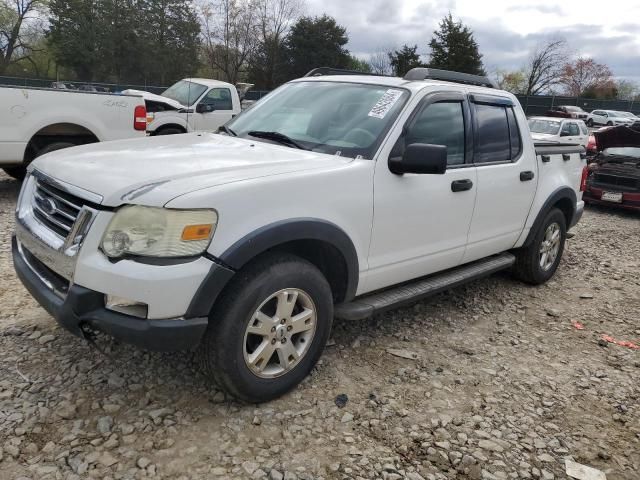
(158, 232)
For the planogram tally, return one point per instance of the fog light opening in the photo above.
(126, 306)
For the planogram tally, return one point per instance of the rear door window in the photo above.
(497, 134)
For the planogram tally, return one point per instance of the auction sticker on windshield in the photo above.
(386, 103)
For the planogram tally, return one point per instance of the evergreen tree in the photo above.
(404, 60)
(454, 48)
(316, 42)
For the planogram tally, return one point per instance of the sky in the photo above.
(506, 31)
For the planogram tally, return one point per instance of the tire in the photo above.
(609, 124)
(20, 171)
(230, 353)
(529, 260)
(170, 131)
(590, 123)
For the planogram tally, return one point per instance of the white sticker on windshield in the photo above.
(386, 103)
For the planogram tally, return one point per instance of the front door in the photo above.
(214, 109)
(421, 221)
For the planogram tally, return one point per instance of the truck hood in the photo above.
(152, 97)
(152, 171)
(617, 137)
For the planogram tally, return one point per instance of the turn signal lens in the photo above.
(196, 232)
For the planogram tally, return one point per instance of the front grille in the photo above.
(55, 208)
(618, 181)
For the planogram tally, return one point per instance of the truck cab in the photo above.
(192, 104)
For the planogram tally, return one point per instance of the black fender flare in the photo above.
(266, 238)
(562, 193)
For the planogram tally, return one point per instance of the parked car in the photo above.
(192, 104)
(567, 111)
(63, 86)
(339, 195)
(93, 88)
(608, 117)
(549, 129)
(614, 176)
(38, 121)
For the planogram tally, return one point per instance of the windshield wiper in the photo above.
(277, 137)
(227, 130)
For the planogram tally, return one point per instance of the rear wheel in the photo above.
(609, 124)
(590, 122)
(269, 328)
(170, 131)
(536, 263)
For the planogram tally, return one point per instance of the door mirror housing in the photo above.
(420, 158)
(204, 108)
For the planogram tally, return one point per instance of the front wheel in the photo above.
(268, 329)
(536, 263)
(590, 122)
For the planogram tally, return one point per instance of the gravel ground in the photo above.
(499, 384)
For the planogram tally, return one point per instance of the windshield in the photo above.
(623, 151)
(348, 119)
(573, 109)
(626, 114)
(544, 126)
(184, 92)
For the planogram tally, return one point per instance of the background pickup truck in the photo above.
(339, 195)
(192, 104)
(35, 121)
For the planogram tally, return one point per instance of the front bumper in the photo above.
(81, 306)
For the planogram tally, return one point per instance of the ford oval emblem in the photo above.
(49, 206)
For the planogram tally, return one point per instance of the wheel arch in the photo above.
(565, 199)
(58, 132)
(321, 243)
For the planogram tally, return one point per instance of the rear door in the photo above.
(506, 172)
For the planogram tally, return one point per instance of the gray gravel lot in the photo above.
(503, 387)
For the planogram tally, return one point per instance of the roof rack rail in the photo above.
(321, 71)
(447, 76)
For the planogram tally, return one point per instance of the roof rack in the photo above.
(321, 71)
(447, 76)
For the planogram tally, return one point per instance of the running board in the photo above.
(367, 305)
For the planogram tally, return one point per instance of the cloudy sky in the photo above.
(507, 31)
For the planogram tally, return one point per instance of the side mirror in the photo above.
(420, 158)
(204, 108)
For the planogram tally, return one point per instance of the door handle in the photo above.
(461, 185)
(526, 176)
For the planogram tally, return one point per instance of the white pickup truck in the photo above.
(35, 121)
(192, 104)
(337, 195)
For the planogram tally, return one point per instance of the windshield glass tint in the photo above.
(544, 126)
(184, 92)
(625, 151)
(349, 119)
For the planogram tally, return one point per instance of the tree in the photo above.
(514, 81)
(379, 62)
(18, 30)
(544, 68)
(267, 64)
(358, 65)
(316, 42)
(125, 40)
(229, 35)
(585, 75)
(627, 89)
(454, 48)
(403, 60)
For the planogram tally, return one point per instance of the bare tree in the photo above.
(380, 62)
(544, 67)
(18, 24)
(275, 17)
(229, 29)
